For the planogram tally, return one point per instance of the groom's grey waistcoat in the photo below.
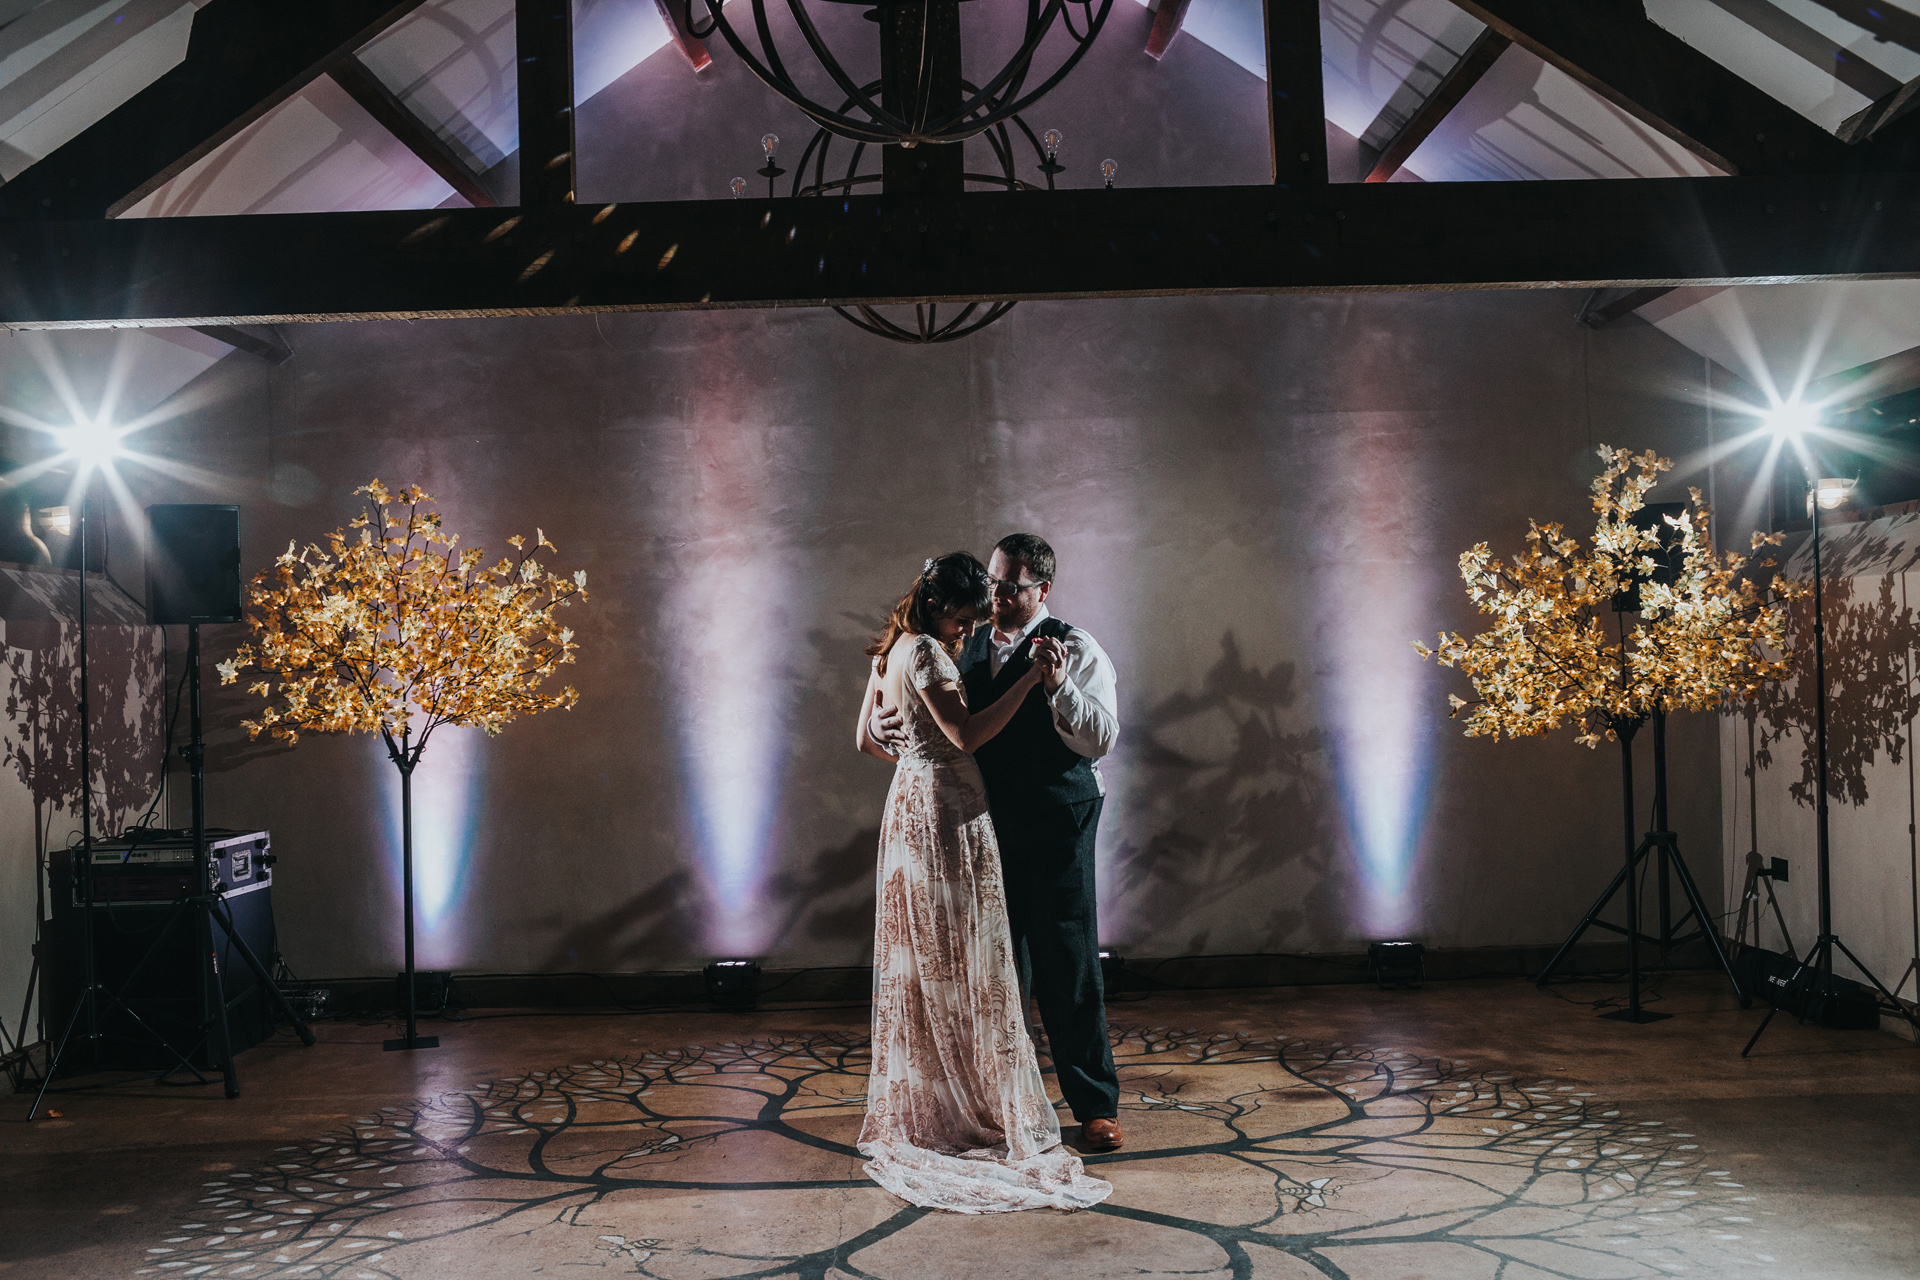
(1026, 765)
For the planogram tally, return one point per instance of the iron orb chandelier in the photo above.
(927, 327)
(920, 96)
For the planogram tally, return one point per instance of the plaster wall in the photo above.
(1257, 503)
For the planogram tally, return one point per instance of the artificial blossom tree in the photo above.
(1714, 635)
(1709, 633)
(388, 626)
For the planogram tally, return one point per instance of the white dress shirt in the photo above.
(1083, 707)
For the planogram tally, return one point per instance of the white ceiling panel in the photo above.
(65, 64)
(317, 152)
(1781, 336)
(121, 375)
(1382, 58)
(1774, 45)
(451, 61)
(1526, 120)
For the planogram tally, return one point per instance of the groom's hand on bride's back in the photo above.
(885, 726)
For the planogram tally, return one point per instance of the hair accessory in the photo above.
(928, 566)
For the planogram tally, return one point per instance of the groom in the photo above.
(1045, 796)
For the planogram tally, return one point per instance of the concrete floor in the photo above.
(1469, 1129)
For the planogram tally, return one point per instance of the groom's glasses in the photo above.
(1003, 587)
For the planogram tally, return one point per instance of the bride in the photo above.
(957, 1115)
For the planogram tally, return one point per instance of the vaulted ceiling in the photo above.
(425, 115)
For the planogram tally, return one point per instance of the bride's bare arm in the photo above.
(874, 697)
(967, 730)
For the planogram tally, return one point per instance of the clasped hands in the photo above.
(885, 726)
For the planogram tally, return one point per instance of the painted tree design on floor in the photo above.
(1249, 1157)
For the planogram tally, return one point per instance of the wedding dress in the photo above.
(957, 1114)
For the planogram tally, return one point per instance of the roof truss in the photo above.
(1805, 206)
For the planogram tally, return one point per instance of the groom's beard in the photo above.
(1012, 619)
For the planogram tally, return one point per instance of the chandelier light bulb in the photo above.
(1108, 168)
(1051, 140)
(770, 143)
(737, 186)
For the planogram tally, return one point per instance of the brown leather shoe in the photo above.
(1102, 1134)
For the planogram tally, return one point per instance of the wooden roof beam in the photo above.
(1296, 93)
(1466, 73)
(1080, 243)
(543, 51)
(393, 115)
(691, 47)
(264, 342)
(1860, 386)
(1596, 314)
(1166, 25)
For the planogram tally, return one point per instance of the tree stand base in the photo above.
(1635, 1015)
(433, 1042)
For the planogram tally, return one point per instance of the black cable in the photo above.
(825, 968)
(106, 564)
(455, 1016)
(173, 721)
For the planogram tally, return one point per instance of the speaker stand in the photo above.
(203, 907)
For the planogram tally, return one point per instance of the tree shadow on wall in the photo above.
(807, 891)
(1871, 633)
(665, 920)
(1237, 795)
(40, 741)
(662, 919)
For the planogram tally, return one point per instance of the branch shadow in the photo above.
(1237, 791)
(1871, 633)
(40, 740)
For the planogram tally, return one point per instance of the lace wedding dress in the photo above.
(957, 1115)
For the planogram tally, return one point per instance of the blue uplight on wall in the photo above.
(446, 789)
(1375, 584)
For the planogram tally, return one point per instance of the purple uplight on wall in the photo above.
(731, 595)
(446, 788)
(1374, 585)
(1073, 483)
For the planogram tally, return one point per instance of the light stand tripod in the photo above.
(1814, 976)
(1760, 873)
(1913, 849)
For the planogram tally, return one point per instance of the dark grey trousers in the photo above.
(1047, 860)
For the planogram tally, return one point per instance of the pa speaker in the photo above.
(193, 563)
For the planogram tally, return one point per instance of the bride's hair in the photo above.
(949, 584)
